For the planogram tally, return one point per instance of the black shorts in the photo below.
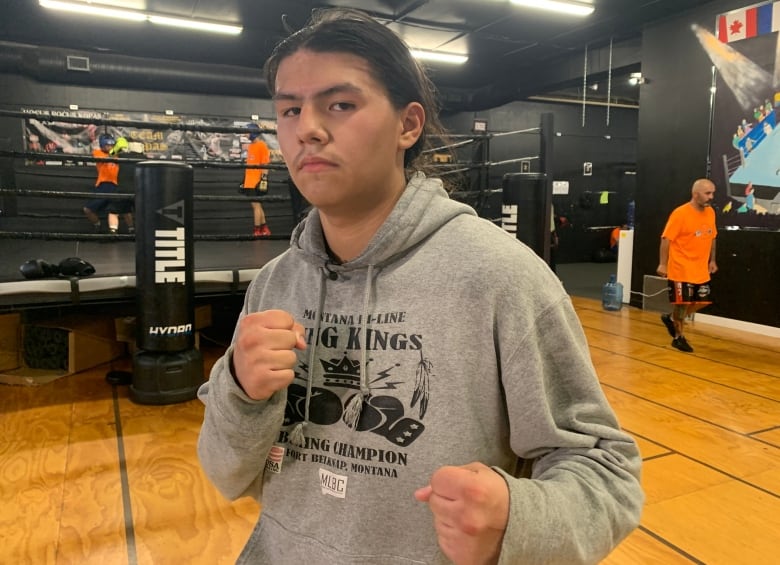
(112, 206)
(690, 293)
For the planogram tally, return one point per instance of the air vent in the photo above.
(78, 63)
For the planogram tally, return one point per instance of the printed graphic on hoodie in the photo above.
(399, 393)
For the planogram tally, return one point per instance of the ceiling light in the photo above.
(195, 24)
(565, 6)
(90, 9)
(439, 56)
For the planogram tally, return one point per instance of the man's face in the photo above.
(703, 195)
(340, 136)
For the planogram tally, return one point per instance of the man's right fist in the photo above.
(263, 353)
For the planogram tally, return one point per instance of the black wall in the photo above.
(611, 148)
(674, 122)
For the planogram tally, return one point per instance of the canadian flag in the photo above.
(749, 22)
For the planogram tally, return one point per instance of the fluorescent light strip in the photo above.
(563, 6)
(90, 9)
(439, 57)
(93, 10)
(195, 24)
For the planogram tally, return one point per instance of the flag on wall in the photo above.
(749, 22)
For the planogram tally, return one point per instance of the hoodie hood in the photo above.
(423, 208)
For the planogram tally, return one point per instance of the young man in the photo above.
(257, 153)
(374, 398)
(107, 183)
(687, 259)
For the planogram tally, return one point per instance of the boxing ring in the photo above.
(41, 195)
(220, 267)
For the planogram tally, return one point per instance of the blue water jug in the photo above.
(612, 294)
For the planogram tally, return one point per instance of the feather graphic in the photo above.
(421, 384)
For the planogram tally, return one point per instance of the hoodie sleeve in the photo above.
(584, 495)
(237, 433)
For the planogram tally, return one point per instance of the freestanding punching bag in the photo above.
(523, 209)
(167, 368)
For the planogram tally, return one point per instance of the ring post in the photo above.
(167, 368)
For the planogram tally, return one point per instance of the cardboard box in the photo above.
(10, 337)
(46, 351)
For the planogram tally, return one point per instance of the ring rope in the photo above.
(179, 126)
(488, 135)
(63, 236)
(450, 146)
(127, 195)
(470, 194)
(231, 215)
(458, 164)
(66, 194)
(454, 135)
(529, 130)
(32, 156)
(452, 172)
(515, 160)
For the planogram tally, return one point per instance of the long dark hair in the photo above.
(390, 62)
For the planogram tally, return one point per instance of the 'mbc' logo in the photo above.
(333, 484)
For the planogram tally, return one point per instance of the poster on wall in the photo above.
(174, 143)
(745, 145)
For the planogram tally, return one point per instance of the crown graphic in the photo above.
(342, 372)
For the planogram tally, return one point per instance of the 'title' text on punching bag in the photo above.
(167, 367)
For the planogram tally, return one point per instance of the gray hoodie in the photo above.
(462, 346)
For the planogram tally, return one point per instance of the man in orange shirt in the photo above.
(107, 183)
(257, 153)
(687, 259)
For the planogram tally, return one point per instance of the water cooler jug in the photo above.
(612, 294)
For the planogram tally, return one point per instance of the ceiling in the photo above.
(514, 52)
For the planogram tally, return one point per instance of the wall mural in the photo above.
(176, 143)
(745, 143)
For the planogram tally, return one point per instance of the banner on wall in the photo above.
(176, 143)
(745, 143)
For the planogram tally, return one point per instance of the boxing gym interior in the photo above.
(599, 121)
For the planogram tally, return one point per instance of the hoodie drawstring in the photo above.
(355, 405)
(297, 437)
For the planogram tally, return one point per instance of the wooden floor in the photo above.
(87, 476)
